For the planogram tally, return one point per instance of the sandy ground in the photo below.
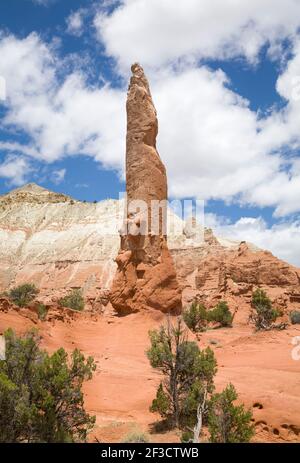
(260, 366)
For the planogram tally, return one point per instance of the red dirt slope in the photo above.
(260, 365)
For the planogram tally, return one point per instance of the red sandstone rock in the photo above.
(146, 276)
(233, 274)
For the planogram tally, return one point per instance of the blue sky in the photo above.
(224, 79)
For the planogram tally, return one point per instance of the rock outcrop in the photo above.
(146, 275)
(217, 273)
(59, 243)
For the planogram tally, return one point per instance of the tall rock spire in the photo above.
(146, 276)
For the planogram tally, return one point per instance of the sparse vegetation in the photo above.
(74, 300)
(221, 314)
(229, 423)
(295, 317)
(23, 295)
(186, 369)
(186, 398)
(136, 436)
(264, 315)
(41, 397)
(197, 317)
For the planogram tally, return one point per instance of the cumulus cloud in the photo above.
(75, 23)
(281, 239)
(163, 31)
(61, 117)
(58, 176)
(213, 144)
(207, 131)
(209, 137)
(15, 169)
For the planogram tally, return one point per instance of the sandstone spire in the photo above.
(146, 275)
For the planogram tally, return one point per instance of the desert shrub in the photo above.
(221, 314)
(41, 397)
(24, 294)
(186, 369)
(138, 437)
(186, 397)
(295, 317)
(195, 317)
(264, 315)
(229, 423)
(42, 311)
(74, 300)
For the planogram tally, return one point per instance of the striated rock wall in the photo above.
(59, 243)
(232, 274)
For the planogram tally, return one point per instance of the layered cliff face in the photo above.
(214, 272)
(146, 275)
(59, 243)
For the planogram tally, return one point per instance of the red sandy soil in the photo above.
(259, 365)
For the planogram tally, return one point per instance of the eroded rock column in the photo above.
(146, 276)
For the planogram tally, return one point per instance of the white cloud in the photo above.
(58, 176)
(65, 118)
(281, 239)
(15, 169)
(213, 145)
(14, 147)
(208, 137)
(280, 131)
(162, 31)
(75, 23)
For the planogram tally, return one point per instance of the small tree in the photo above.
(264, 315)
(74, 300)
(221, 314)
(40, 394)
(24, 294)
(195, 317)
(186, 396)
(184, 367)
(229, 423)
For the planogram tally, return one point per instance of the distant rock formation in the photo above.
(146, 275)
(60, 243)
(214, 272)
